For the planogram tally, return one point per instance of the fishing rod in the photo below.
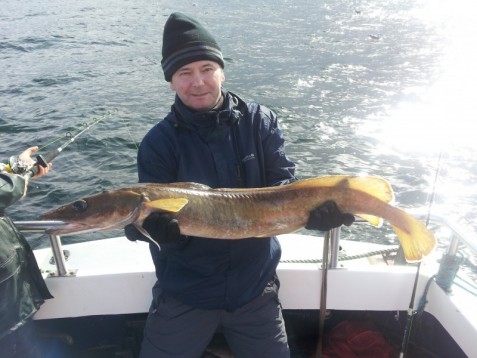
(17, 166)
(411, 312)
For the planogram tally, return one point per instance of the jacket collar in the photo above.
(210, 125)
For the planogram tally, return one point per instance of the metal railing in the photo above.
(459, 236)
(55, 241)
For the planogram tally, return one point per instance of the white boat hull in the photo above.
(115, 276)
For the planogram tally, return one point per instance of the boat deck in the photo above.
(100, 272)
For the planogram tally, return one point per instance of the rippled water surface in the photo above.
(365, 86)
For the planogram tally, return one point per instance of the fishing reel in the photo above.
(17, 166)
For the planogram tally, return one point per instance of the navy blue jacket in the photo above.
(238, 146)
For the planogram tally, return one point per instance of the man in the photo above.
(213, 137)
(22, 289)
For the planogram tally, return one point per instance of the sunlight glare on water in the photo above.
(440, 117)
(438, 121)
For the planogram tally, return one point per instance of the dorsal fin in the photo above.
(191, 185)
(372, 185)
(179, 185)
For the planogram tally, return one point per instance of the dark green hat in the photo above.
(184, 41)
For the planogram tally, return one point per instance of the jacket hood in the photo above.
(210, 125)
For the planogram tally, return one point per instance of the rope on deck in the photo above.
(383, 252)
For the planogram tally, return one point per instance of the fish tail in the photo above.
(415, 238)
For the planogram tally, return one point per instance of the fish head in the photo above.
(107, 210)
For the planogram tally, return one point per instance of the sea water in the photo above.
(360, 87)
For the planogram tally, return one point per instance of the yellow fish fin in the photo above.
(417, 245)
(172, 205)
(376, 186)
(373, 220)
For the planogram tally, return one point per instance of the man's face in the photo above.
(198, 84)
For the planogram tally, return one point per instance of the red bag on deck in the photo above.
(356, 339)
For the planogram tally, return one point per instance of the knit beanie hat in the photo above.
(184, 41)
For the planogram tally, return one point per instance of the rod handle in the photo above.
(42, 160)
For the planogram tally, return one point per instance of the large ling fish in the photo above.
(241, 213)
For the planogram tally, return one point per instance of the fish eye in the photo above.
(80, 205)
